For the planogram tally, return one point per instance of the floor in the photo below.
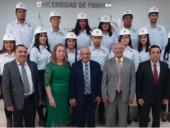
(3, 120)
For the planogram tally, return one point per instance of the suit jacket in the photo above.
(13, 88)
(109, 80)
(77, 81)
(146, 86)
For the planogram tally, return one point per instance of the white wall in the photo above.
(138, 7)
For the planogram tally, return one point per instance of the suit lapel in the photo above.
(150, 71)
(16, 69)
(160, 74)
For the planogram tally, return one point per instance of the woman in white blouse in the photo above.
(109, 36)
(144, 44)
(82, 31)
(7, 55)
(40, 54)
(71, 46)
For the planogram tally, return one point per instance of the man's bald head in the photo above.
(85, 54)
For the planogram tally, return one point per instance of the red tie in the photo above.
(155, 73)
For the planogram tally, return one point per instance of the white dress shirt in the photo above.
(157, 35)
(108, 41)
(56, 37)
(83, 40)
(23, 33)
(5, 58)
(99, 55)
(41, 57)
(71, 56)
(28, 71)
(131, 54)
(143, 56)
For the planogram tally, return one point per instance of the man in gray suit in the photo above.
(118, 87)
(20, 88)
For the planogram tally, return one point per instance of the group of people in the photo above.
(65, 77)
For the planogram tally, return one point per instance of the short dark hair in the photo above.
(20, 45)
(127, 15)
(154, 46)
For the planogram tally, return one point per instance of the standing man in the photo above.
(157, 33)
(152, 87)
(21, 29)
(20, 88)
(85, 90)
(56, 34)
(99, 54)
(127, 19)
(118, 87)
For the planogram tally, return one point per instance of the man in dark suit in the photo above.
(152, 87)
(20, 88)
(85, 88)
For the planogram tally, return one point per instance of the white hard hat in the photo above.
(143, 31)
(105, 18)
(169, 35)
(127, 12)
(82, 15)
(8, 36)
(97, 32)
(40, 30)
(71, 35)
(20, 5)
(124, 31)
(54, 13)
(152, 10)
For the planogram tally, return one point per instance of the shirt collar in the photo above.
(121, 59)
(157, 63)
(12, 55)
(86, 63)
(42, 47)
(20, 64)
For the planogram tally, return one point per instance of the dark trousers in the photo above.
(27, 113)
(85, 112)
(145, 110)
(40, 109)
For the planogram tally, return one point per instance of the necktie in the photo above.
(86, 80)
(25, 80)
(155, 73)
(119, 82)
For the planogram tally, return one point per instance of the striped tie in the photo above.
(87, 89)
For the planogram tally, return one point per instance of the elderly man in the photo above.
(85, 90)
(118, 87)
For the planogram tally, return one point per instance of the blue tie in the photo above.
(25, 80)
(87, 89)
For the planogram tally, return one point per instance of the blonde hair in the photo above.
(54, 57)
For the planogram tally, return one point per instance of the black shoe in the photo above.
(42, 123)
(129, 121)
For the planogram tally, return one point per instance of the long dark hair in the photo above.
(167, 51)
(109, 30)
(76, 29)
(37, 42)
(74, 47)
(130, 41)
(147, 44)
(4, 49)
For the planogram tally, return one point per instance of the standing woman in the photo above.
(109, 37)
(57, 77)
(165, 56)
(7, 55)
(82, 31)
(71, 46)
(144, 44)
(40, 54)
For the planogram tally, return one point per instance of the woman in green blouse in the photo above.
(57, 77)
